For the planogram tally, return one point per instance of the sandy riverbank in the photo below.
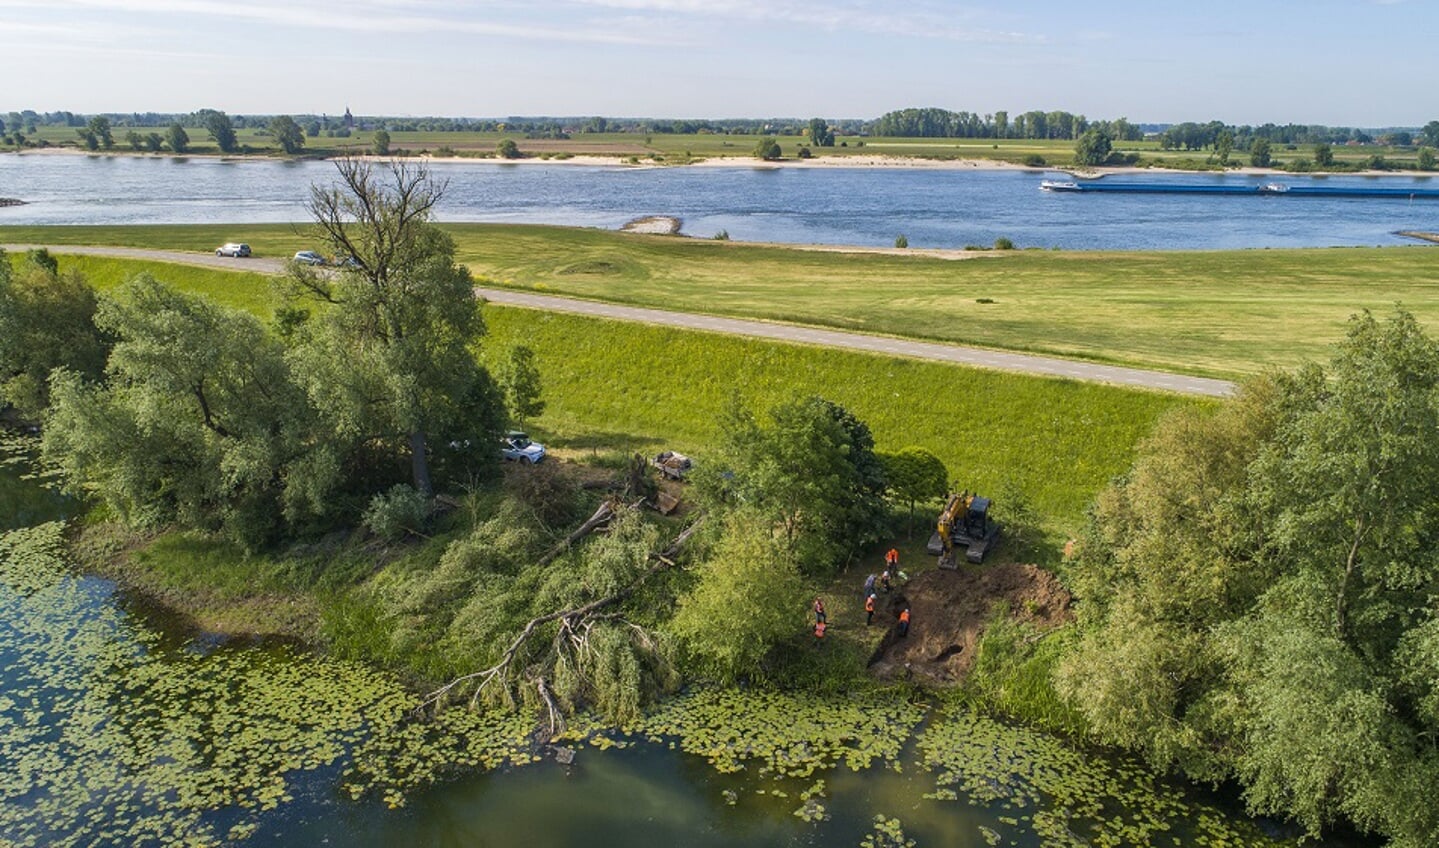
(821, 161)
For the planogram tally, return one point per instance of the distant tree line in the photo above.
(905, 123)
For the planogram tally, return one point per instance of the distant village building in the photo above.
(349, 119)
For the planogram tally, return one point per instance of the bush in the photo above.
(509, 150)
(392, 514)
(804, 153)
(1034, 160)
(901, 241)
(1003, 244)
(722, 235)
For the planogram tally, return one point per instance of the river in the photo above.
(932, 207)
(119, 728)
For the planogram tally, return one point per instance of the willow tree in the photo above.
(388, 361)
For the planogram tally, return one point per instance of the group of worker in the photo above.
(885, 580)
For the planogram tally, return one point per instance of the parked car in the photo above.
(233, 248)
(309, 257)
(517, 446)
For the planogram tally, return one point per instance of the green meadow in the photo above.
(615, 386)
(1214, 313)
(620, 385)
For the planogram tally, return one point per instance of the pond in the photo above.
(117, 730)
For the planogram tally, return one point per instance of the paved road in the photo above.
(887, 345)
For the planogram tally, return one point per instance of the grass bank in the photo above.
(618, 385)
(1215, 313)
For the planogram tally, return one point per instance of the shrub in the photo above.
(722, 235)
(392, 514)
(901, 241)
(1003, 244)
(1034, 160)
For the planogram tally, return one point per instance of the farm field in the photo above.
(1220, 314)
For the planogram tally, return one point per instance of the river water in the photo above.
(119, 728)
(932, 207)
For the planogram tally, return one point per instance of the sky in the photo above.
(1368, 63)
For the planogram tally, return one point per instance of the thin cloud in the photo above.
(865, 16)
(386, 16)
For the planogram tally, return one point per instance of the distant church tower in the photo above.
(349, 119)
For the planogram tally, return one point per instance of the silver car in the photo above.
(233, 248)
(309, 257)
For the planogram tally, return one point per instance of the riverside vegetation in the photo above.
(219, 432)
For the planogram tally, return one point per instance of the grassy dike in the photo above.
(1214, 313)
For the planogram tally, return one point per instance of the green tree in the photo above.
(380, 143)
(507, 149)
(519, 379)
(287, 134)
(810, 469)
(914, 475)
(177, 138)
(1425, 162)
(1323, 155)
(820, 135)
(88, 138)
(768, 149)
(198, 421)
(1430, 133)
(1257, 593)
(221, 129)
(1259, 152)
(135, 140)
(1223, 147)
(154, 143)
(100, 127)
(1093, 147)
(390, 359)
(46, 322)
(746, 600)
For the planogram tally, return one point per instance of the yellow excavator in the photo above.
(965, 523)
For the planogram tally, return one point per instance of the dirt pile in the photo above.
(948, 614)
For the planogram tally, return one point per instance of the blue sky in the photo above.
(1341, 62)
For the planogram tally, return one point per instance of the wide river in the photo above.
(932, 207)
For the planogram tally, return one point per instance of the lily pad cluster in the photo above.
(110, 736)
(1066, 796)
(783, 735)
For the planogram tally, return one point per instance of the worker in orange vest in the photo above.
(869, 610)
(891, 559)
(819, 633)
(884, 581)
(904, 623)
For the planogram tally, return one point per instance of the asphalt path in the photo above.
(1023, 363)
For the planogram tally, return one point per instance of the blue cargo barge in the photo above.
(1267, 189)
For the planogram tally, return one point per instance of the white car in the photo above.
(233, 248)
(517, 446)
(309, 257)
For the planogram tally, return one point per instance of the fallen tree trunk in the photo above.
(573, 621)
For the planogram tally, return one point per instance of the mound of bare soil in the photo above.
(948, 614)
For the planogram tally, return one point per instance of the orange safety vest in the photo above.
(904, 616)
(869, 604)
(819, 630)
(892, 556)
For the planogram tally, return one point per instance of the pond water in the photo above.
(940, 208)
(115, 730)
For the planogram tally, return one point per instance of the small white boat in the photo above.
(1056, 185)
(1273, 188)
